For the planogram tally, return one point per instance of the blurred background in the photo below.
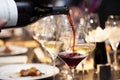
(22, 37)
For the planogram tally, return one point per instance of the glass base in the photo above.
(115, 67)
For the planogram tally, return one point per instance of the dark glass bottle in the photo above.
(100, 56)
(22, 13)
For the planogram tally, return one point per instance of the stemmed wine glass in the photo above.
(46, 32)
(112, 24)
(77, 48)
(89, 24)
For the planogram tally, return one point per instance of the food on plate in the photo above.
(30, 72)
(7, 50)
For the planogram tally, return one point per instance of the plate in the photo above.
(42, 57)
(14, 50)
(6, 34)
(11, 72)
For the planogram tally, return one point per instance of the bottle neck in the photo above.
(47, 11)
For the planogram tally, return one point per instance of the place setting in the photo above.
(27, 71)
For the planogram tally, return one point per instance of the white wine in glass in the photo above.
(53, 47)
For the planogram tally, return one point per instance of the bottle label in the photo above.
(8, 11)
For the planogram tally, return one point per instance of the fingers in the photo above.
(2, 23)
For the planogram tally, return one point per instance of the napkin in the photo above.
(41, 56)
(13, 59)
(98, 35)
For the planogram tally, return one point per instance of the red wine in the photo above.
(73, 30)
(22, 13)
(72, 59)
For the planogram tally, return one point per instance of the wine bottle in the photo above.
(100, 56)
(22, 13)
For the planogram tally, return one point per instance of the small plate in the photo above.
(11, 72)
(6, 34)
(14, 50)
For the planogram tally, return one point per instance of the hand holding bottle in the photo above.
(2, 22)
(22, 13)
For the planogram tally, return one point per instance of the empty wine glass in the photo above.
(112, 24)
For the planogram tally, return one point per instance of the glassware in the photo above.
(89, 24)
(76, 48)
(47, 34)
(112, 24)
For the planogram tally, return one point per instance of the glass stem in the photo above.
(83, 71)
(115, 57)
(72, 73)
(53, 58)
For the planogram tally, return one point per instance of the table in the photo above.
(92, 76)
(105, 73)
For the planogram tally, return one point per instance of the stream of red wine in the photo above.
(72, 58)
(73, 30)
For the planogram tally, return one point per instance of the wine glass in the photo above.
(76, 47)
(90, 25)
(112, 25)
(47, 34)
